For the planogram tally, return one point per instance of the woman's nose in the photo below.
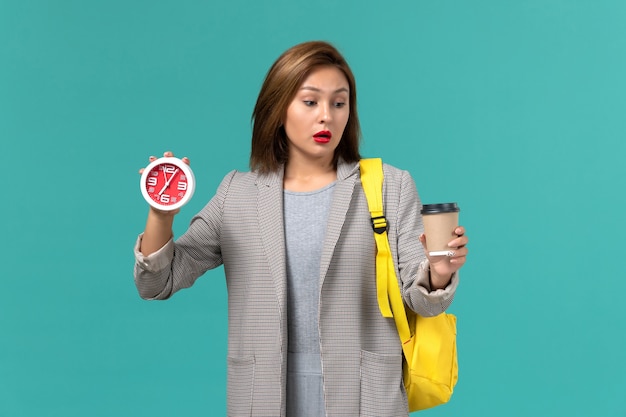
(325, 113)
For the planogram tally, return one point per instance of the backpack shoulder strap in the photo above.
(387, 288)
(372, 181)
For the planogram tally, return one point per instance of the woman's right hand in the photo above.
(158, 229)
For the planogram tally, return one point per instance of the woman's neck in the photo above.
(300, 177)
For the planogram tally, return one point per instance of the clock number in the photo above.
(169, 169)
(182, 186)
(165, 198)
(152, 181)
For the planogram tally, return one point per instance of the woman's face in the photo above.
(317, 116)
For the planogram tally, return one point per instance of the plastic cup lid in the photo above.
(440, 208)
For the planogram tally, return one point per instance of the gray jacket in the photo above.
(242, 228)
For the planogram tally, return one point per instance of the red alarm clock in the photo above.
(167, 183)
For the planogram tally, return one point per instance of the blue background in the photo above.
(514, 109)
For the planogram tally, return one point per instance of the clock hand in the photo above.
(167, 183)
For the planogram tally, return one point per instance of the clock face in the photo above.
(167, 183)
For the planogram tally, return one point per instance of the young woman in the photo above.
(305, 334)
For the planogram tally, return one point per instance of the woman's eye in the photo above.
(340, 104)
(309, 103)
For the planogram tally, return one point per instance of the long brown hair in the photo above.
(269, 141)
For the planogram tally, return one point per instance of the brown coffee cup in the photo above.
(440, 221)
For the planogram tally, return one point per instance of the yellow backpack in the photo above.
(429, 343)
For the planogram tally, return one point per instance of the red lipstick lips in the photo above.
(322, 136)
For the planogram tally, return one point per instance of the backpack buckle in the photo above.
(379, 224)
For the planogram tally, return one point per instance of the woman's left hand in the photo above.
(442, 267)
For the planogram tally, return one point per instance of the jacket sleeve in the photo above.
(412, 264)
(179, 263)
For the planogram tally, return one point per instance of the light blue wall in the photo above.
(515, 109)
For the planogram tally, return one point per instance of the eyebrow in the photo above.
(339, 90)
